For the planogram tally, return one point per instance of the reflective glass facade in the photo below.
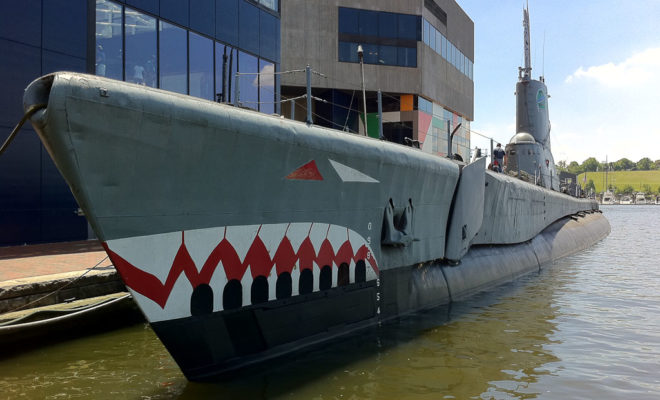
(386, 38)
(180, 45)
(441, 45)
(162, 54)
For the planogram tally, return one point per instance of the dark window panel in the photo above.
(202, 16)
(348, 21)
(201, 67)
(248, 27)
(140, 42)
(266, 87)
(249, 84)
(20, 65)
(368, 22)
(173, 55)
(21, 21)
(348, 52)
(65, 27)
(109, 42)
(175, 11)
(269, 36)
(407, 56)
(53, 62)
(226, 15)
(370, 53)
(150, 6)
(226, 63)
(387, 55)
(407, 28)
(387, 25)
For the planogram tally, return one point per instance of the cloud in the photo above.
(640, 69)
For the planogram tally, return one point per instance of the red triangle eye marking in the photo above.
(307, 172)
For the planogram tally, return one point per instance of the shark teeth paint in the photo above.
(245, 254)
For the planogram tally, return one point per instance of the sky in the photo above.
(601, 62)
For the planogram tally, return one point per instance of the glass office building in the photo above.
(193, 47)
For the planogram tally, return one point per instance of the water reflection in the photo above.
(586, 327)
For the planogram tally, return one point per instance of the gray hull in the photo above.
(244, 236)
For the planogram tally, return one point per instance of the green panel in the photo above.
(439, 123)
(372, 124)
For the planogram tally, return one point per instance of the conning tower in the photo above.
(529, 149)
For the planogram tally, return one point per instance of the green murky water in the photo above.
(586, 327)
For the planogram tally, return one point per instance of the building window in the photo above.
(140, 33)
(226, 65)
(387, 38)
(249, 84)
(109, 40)
(201, 66)
(266, 87)
(148, 51)
(441, 45)
(173, 55)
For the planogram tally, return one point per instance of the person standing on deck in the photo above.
(498, 157)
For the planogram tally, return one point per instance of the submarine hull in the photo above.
(244, 236)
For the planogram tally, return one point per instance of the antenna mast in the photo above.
(527, 71)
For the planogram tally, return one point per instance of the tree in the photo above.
(657, 164)
(644, 164)
(590, 186)
(626, 190)
(623, 164)
(574, 168)
(646, 188)
(590, 165)
(561, 165)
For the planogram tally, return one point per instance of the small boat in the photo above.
(640, 199)
(626, 200)
(608, 197)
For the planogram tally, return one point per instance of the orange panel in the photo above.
(406, 102)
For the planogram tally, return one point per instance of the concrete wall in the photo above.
(310, 36)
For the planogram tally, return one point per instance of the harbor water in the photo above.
(584, 327)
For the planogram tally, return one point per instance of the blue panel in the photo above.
(270, 36)
(200, 63)
(387, 25)
(65, 27)
(248, 27)
(226, 21)
(20, 65)
(368, 21)
(19, 227)
(21, 21)
(175, 11)
(62, 224)
(348, 20)
(348, 52)
(408, 27)
(55, 193)
(202, 16)
(150, 6)
(20, 171)
(173, 52)
(249, 87)
(53, 62)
